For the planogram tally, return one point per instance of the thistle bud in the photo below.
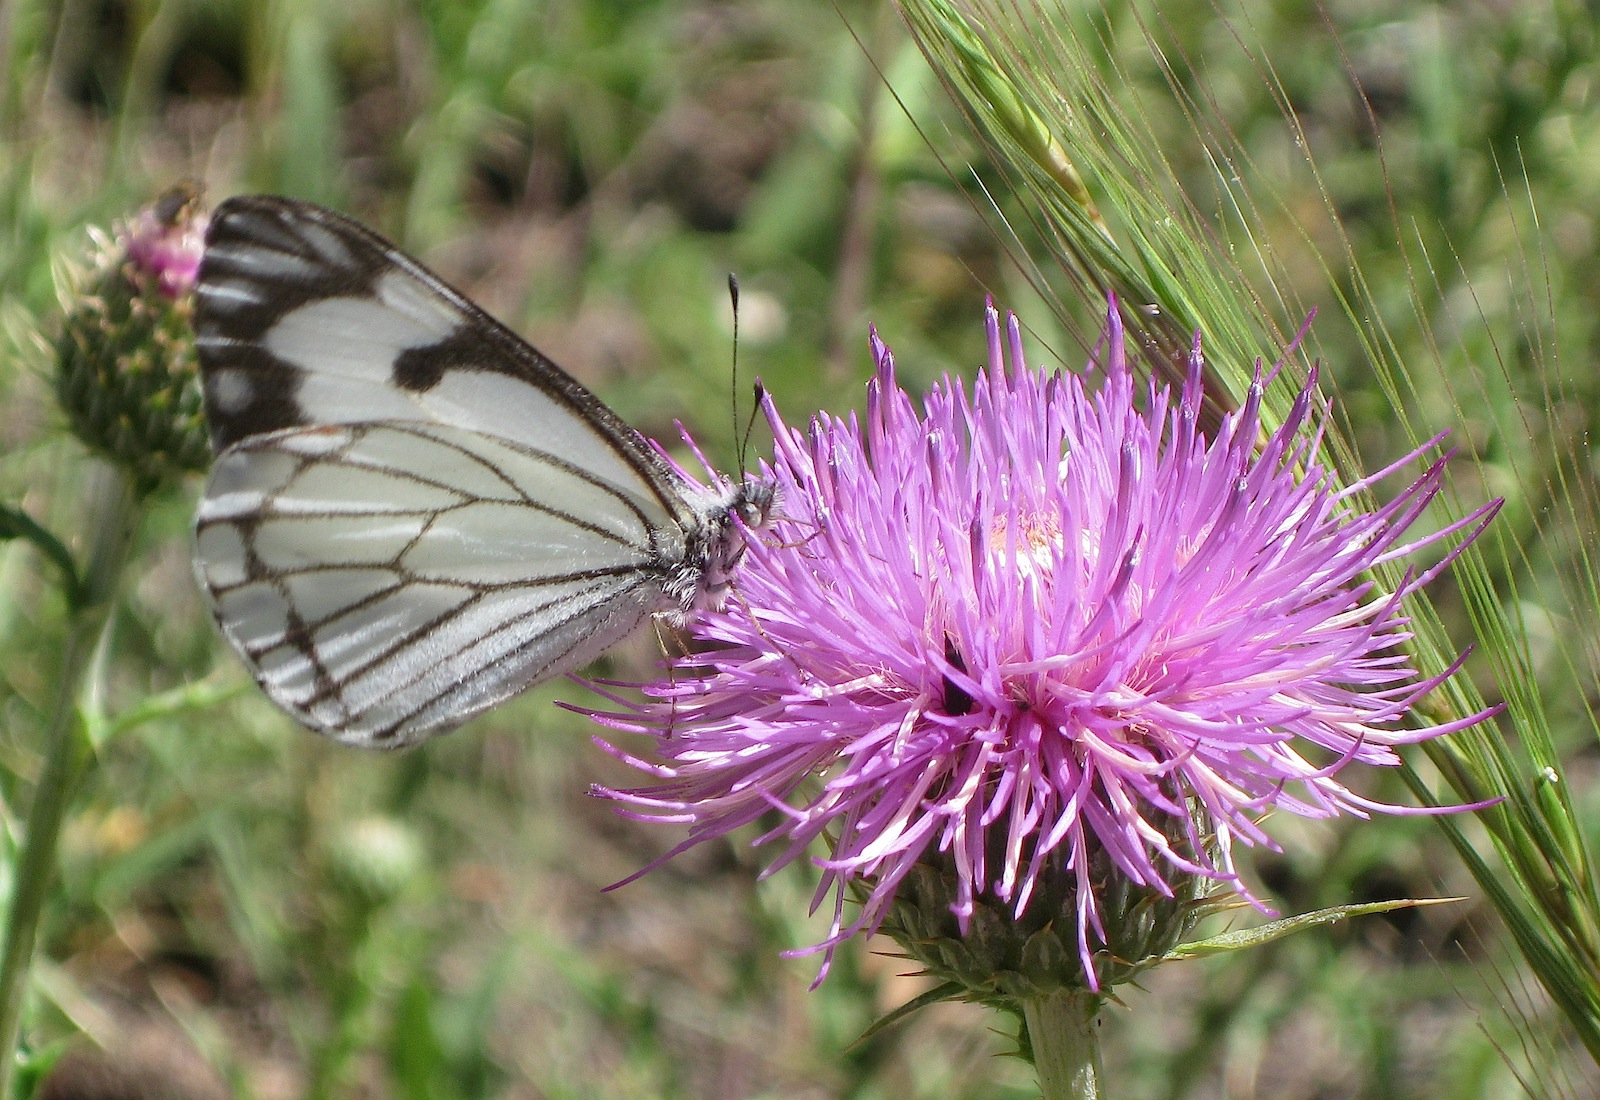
(374, 858)
(127, 376)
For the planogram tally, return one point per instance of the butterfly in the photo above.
(413, 514)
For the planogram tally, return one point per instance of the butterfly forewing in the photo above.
(305, 317)
(413, 514)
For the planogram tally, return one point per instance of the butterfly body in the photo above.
(414, 514)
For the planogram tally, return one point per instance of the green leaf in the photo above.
(415, 1056)
(1275, 930)
(201, 695)
(15, 523)
(945, 991)
(33, 1064)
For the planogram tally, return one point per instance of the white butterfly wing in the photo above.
(305, 317)
(413, 514)
(385, 580)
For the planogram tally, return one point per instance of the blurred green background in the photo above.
(304, 920)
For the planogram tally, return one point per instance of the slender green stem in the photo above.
(114, 509)
(1066, 1048)
(353, 994)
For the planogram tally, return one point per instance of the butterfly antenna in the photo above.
(759, 390)
(733, 397)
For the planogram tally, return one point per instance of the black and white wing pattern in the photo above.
(413, 514)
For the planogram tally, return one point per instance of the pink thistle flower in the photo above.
(1036, 630)
(166, 240)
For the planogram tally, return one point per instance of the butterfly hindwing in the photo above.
(413, 514)
(386, 579)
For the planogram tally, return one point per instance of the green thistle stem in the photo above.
(114, 507)
(1066, 1049)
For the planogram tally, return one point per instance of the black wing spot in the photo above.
(245, 228)
(420, 369)
(270, 404)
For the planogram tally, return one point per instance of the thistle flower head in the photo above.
(1037, 645)
(126, 372)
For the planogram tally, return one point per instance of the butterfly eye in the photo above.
(756, 503)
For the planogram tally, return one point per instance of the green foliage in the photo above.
(321, 922)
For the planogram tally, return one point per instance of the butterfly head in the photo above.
(755, 503)
(746, 509)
